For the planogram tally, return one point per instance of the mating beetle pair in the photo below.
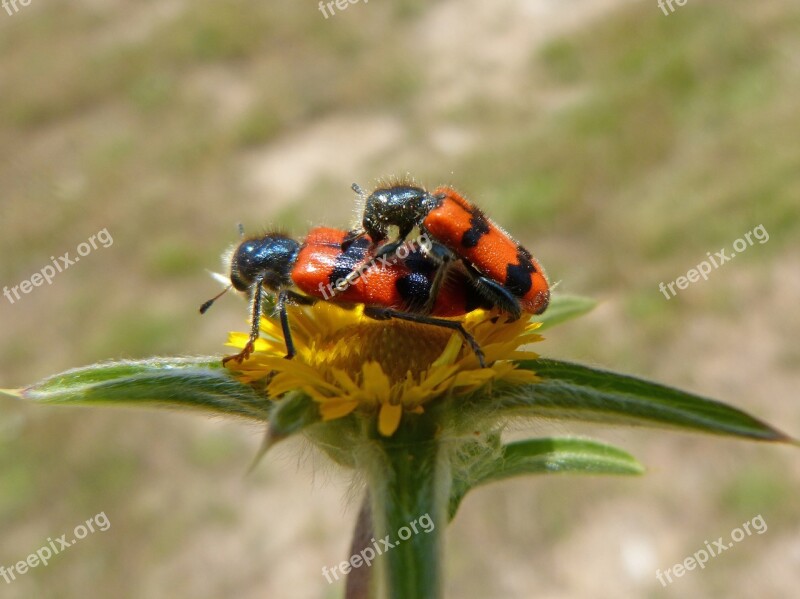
(465, 262)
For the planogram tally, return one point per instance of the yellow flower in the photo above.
(346, 361)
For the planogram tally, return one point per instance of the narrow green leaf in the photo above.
(574, 392)
(544, 456)
(563, 308)
(199, 383)
(535, 456)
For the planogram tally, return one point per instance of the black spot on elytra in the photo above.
(479, 227)
(518, 276)
(416, 261)
(415, 289)
(349, 260)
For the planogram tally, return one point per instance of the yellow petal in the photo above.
(450, 353)
(471, 380)
(389, 418)
(437, 376)
(521, 377)
(344, 381)
(337, 408)
(239, 340)
(375, 382)
(414, 396)
(345, 360)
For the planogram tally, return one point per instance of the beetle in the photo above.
(502, 268)
(413, 288)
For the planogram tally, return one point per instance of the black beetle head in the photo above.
(403, 206)
(267, 260)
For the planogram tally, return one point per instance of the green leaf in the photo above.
(563, 308)
(543, 456)
(292, 414)
(536, 456)
(574, 392)
(199, 383)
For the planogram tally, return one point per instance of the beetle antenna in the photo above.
(357, 188)
(210, 302)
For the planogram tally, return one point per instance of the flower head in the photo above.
(348, 362)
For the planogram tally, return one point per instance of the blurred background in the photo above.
(619, 141)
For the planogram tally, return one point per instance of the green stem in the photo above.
(359, 583)
(409, 482)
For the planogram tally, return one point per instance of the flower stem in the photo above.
(359, 583)
(409, 483)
